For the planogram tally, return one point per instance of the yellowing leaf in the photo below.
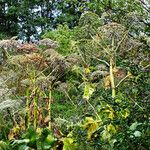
(111, 115)
(107, 83)
(87, 70)
(68, 144)
(91, 126)
(125, 113)
(76, 69)
(88, 91)
(111, 129)
(110, 112)
(13, 132)
(89, 119)
(108, 131)
(129, 74)
(105, 135)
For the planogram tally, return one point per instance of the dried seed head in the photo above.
(27, 48)
(114, 30)
(9, 44)
(48, 43)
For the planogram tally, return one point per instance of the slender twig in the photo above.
(122, 80)
(69, 97)
(146, 66)
(11, 117)
(93, 109)
(106, 49)
(104, 61)
(121, 41)
(136, 104)
(35, 102)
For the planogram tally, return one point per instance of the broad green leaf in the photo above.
(50, 139)
(137, 133)
(133, 126)
(3, 145)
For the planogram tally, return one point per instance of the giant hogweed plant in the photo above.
(111, 42)
(108, 54)
(105, 48)
(33, 74)
(105, 85)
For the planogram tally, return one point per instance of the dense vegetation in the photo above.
(84, 85)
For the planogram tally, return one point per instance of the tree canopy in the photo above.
(30, 18)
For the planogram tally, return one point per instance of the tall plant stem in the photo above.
(49, 106)
(112, 64)
(112, 80)
(28, 109)
(35, 112)
(35, 104)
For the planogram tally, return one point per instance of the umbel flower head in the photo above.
(9, 44)
(27, 48)
(114, 38)
(112, 30)
(48, 43)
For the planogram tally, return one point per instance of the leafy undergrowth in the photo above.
(88, 90)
